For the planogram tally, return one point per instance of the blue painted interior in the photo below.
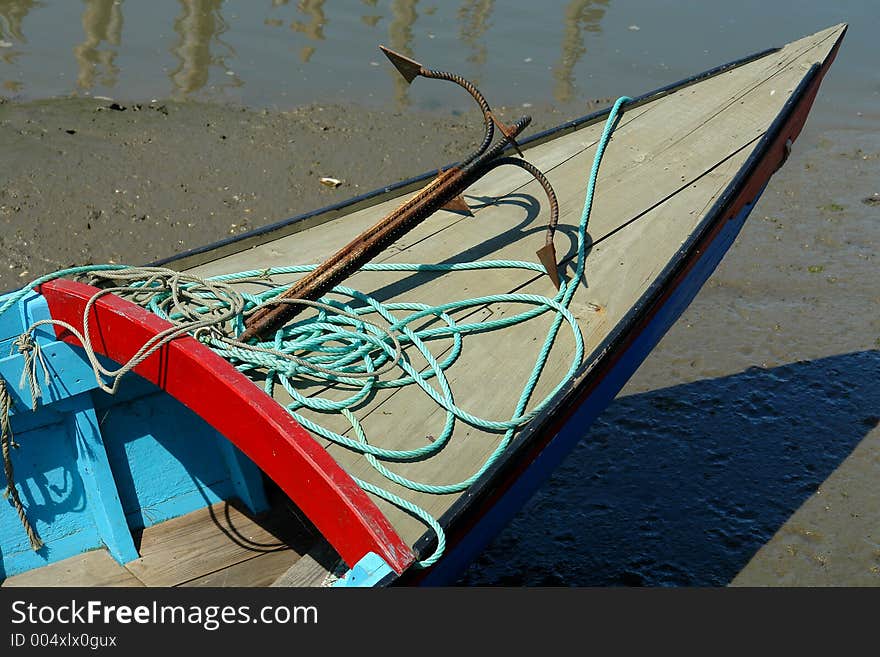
(92, 468)
(459, 556)
(370, 571)
(165, 459)
(52, 490)
(100, 486)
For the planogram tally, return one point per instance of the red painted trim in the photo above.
(231, 403)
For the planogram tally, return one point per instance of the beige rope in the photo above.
(191, 298)
(33, 356)
(156, 280)
(6, 444)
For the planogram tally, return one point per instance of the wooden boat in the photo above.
(191, 474)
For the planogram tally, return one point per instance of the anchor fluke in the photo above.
(547, 256)
(410, 69)
(508, 131)
(458, 204)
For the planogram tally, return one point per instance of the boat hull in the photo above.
(542, 447)
(506, 503)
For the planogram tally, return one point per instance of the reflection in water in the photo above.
(579, 15)
(314, 29)
(275, 22)
(371, 19)
(102, 22)
(403, 17)
(198, 24)
(12, 13)
(474, 16)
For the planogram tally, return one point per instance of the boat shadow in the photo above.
(681, 486)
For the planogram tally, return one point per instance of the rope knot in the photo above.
(30, 349)
(209, 335)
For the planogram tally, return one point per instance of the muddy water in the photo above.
(130, 131)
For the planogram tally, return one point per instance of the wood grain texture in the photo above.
(94, 568)
(261, 570)
(210, 540)
(313, 569)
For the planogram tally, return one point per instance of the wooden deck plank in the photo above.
(261, 570)
(93, 568)
(313, 569)
(208, 540)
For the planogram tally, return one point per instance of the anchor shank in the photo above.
(355, 254)
(374, 240)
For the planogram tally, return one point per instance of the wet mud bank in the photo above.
(87, 180)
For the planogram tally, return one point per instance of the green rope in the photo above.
(341, 347)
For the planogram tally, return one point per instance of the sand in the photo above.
(91, 181)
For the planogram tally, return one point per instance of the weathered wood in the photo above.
(314, 568)
(93, 568)
(209, 540)
(261, 570)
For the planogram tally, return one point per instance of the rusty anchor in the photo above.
(445, 191)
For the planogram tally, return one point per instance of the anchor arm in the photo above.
(446, 188)
(368, 244)
(547, 253)
(410, 69)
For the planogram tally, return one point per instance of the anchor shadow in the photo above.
(525, 228)
(566, 242)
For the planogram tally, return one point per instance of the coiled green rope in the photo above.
(340, 346)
